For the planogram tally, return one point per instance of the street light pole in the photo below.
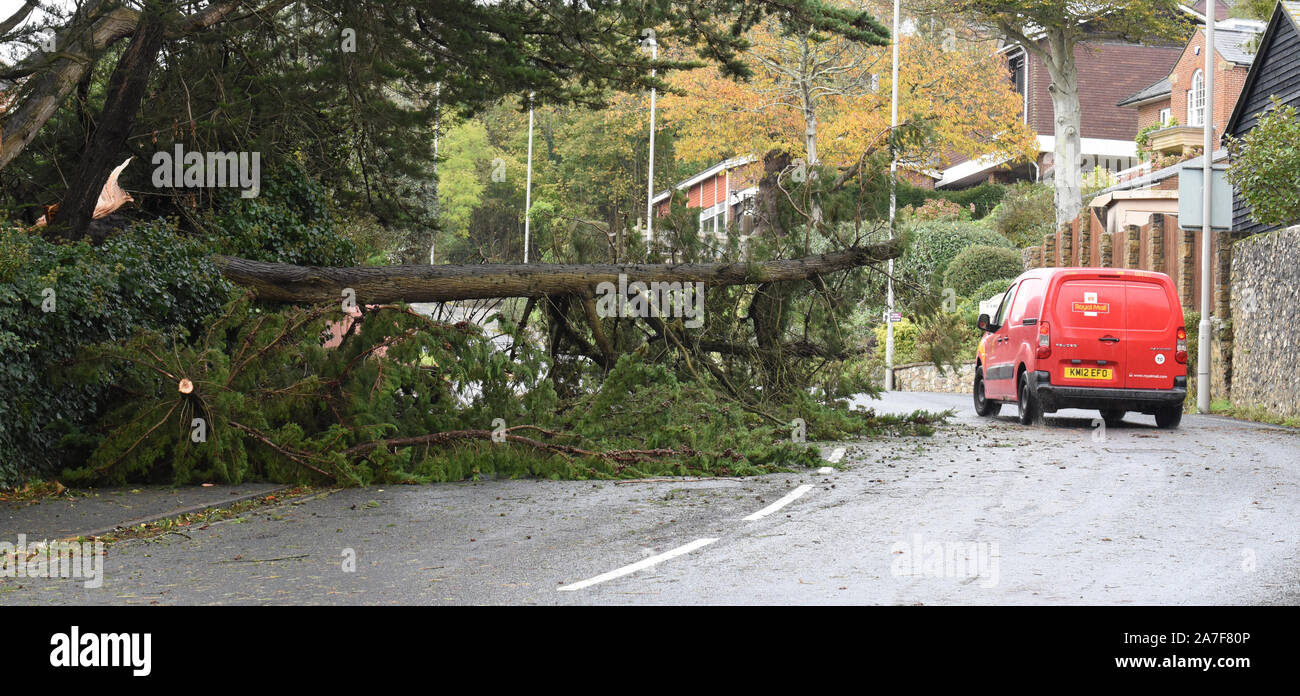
(528, 185)
(1207, 231)
(893, 205)
(650, 177)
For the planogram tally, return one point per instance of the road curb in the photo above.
(186, 510)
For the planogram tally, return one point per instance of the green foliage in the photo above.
(463, 175)
(1266, 166)
(1025, 214)
(403, 398)
(1143, 137)
(905, 333)
(983, 197)
(933, 245)
(290, 221)
(980, 200)
(938, 209)
(992, 288)
(977, 265)
(1253, 9)
(146, 276)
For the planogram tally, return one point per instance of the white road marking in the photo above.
(837, 455)
(789, 497)
(639, 565)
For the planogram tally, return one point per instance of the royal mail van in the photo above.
(1103, 338)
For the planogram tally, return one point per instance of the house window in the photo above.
(1196, 100)
(1165, 114)
(1017, 65)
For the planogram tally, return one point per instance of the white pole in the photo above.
(1207, 233)
(528, 186)
(893, 203)
(437, 128)
(650, 177)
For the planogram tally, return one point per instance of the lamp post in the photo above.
(528, 185)
(1207, 231)
(893, 204)
(650, 176)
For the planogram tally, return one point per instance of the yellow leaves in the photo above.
(965, 94)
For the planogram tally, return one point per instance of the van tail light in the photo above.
(1044, 340)
(1181, 353)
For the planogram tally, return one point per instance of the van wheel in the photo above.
(1112, 416)
(1169, 416)
(1028, 410)
(983, 406)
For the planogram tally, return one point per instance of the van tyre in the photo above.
(1169, 416)
(1113, 416)
(1028, 410)
(983, 406)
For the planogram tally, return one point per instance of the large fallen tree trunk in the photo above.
(282, 282)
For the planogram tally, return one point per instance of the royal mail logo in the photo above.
(1090, 306)
(1103, 307)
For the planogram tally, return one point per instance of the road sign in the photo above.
(1191, 193)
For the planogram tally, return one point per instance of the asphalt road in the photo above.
(985, 512)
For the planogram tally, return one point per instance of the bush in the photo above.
(290, 222)
(971, 302)
(57, 300)
(979, 200)
(63, 297)
(875, 197)
(977, 265)
(934, 244)
(905, 333)
(1266, 166)
(1026, 214)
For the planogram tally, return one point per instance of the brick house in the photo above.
(1275, 72)
(1177, 100)
(721, 192)
(1109, 72)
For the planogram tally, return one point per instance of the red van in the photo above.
(1104, 338)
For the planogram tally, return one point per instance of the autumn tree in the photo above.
(1052, 31)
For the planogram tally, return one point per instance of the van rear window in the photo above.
(1090, 304)
(1148, 307)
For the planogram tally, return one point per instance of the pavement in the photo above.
(985, 512)
(97, 512)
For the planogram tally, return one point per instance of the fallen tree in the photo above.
(282, 282)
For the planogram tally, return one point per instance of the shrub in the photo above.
(977, 265)
(1026, 214)
(939, 209)
(979, 200)
(905, 333)
(1266, 166)
(290, 222)
(971, 303)
(66, 296)
(933, 245)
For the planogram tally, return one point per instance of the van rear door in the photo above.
(1088, 332)
(1152, 322)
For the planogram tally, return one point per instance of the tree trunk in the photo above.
(126, 88)
(1067, 121)
(78, 46)
(281, 282)
(74, 60)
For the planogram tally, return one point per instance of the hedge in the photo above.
(977, 265)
